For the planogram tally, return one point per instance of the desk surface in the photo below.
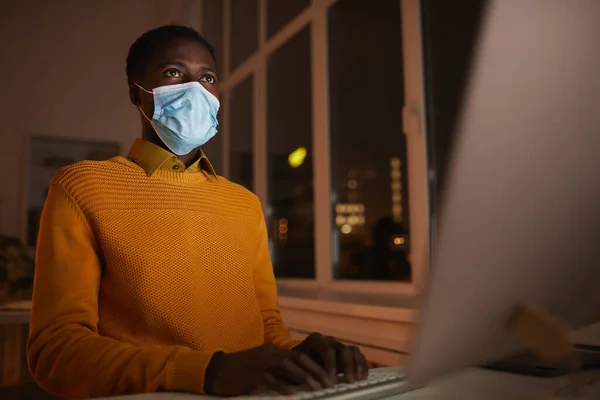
(15, 313)
(471, 384)
(14, 317)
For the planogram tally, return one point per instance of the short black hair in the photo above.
(144, 48)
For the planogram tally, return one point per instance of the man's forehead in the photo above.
(182, 50)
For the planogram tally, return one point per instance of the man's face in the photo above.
(178, 61)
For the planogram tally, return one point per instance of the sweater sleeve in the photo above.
(66, 354)
(266, 292)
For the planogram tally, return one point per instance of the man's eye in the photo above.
(173, 73)
(208, 79)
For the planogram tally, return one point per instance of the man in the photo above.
(153, 274)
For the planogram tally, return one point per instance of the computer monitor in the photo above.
(520, 214)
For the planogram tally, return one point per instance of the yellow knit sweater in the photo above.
(140, 279)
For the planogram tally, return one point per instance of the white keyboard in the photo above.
(377, 385)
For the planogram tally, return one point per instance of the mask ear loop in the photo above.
(144, 114)
(140, 107)
(152, 123)
(144, 89)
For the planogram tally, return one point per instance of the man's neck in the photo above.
(189, 158)
(186, 159)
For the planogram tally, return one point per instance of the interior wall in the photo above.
(63, 75)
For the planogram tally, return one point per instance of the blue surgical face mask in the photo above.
(185, 116)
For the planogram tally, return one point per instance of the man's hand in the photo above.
(335, 357)
(276, 369)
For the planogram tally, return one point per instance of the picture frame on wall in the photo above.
(45, 157)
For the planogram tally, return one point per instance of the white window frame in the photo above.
(414, 128)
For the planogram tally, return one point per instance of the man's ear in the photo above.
(134, 95)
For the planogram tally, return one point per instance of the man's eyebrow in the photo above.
(184, 66)
(177, 63)
(209, 69)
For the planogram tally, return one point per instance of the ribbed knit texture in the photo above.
(139, 280)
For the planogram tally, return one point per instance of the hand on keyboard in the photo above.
(335, 357)
(268, 366)
(379, 384)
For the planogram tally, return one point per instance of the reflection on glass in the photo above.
(368, 148)
(289, 147)
(212, 25)
(281, 12)
(244, 30)
(240, 133)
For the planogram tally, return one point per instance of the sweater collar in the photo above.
(153, 158)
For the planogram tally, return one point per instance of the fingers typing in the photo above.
(276, 384)
(316, 371)
(360, 364)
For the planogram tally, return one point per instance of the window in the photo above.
(289, 150)
(244, 30)
(241, 161)
(368, 147)
(279, 13)
(323, 122)
(212, 27)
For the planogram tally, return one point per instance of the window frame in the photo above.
(414, 129)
